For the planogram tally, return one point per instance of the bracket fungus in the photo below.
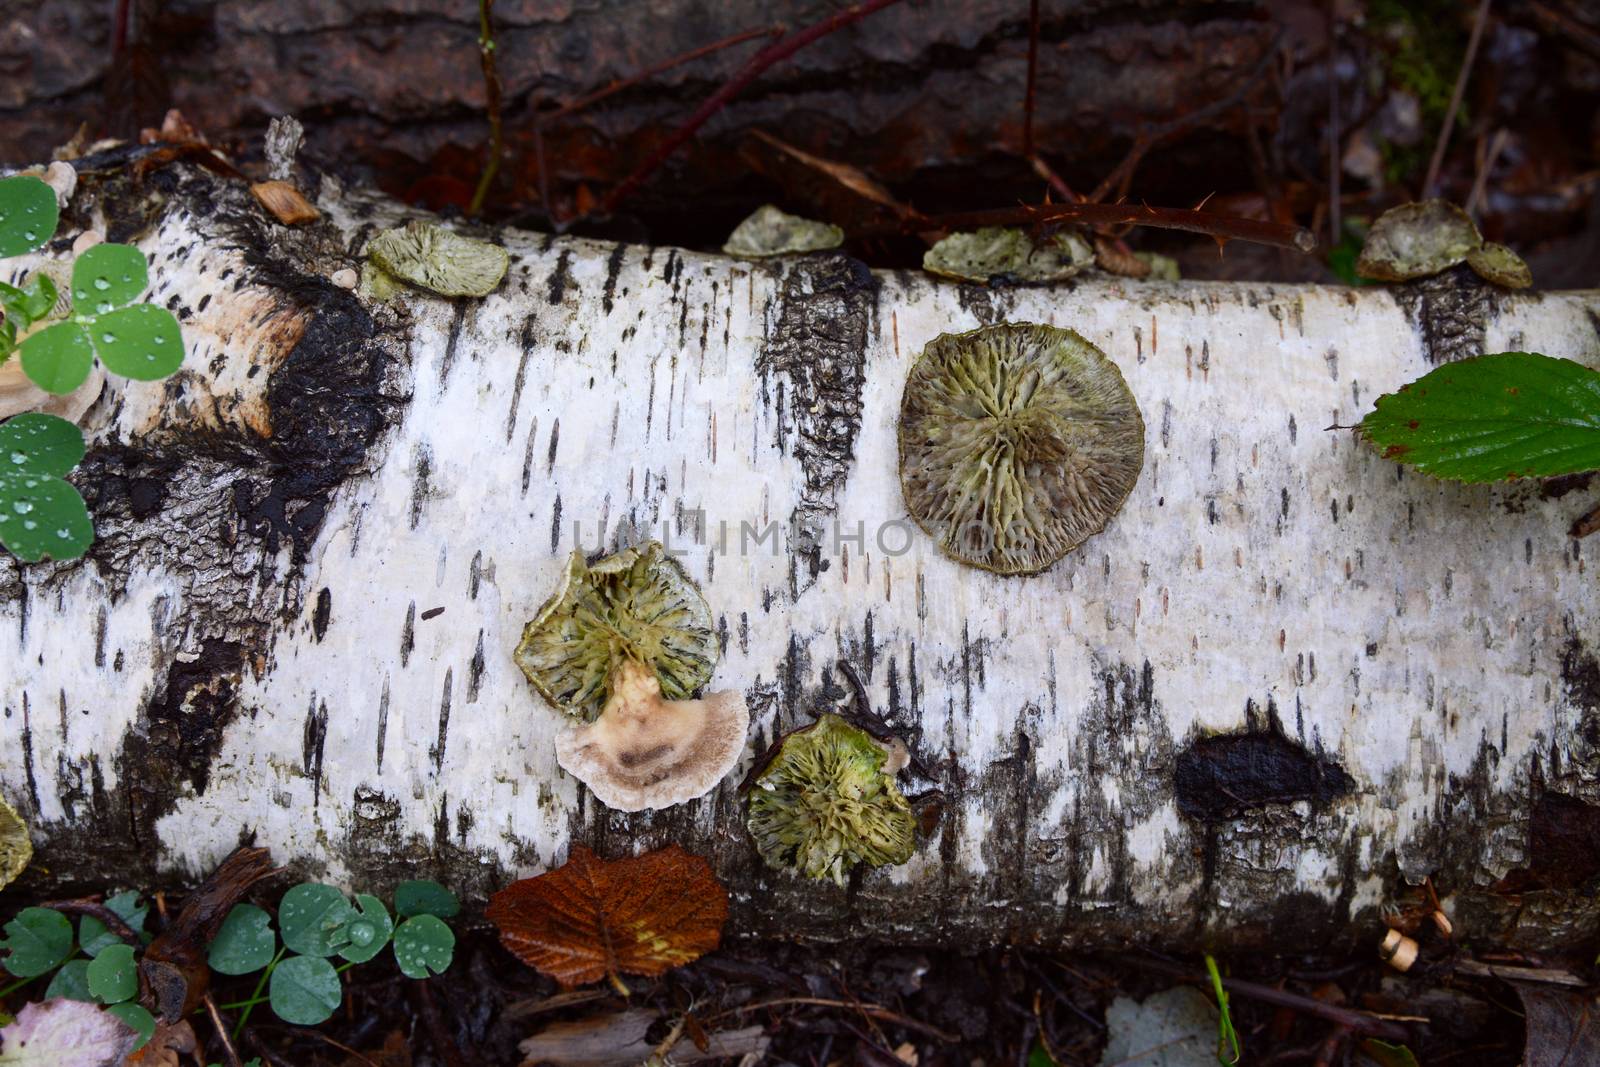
(1007, 254)
(16, 846)
(1017, 443)
(620, 646)
(827, 802)
(771, 232)
(646, 752)
(439, 260)
(1424, 238)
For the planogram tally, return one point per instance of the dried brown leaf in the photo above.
(285, 202)
(591, 918)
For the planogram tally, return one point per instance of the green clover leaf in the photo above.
(424, 945)
(93, 936)
(39, 939)
(113, 975)
(305, 991)
(58, 358)
(245, 943)
(314, 919)
(137, 1018)
(369, 931)
(28, 214)
(139, 342)
(71, 982)
(108, 276)
(425, 898)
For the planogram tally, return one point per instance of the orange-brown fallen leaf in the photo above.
(591, 918)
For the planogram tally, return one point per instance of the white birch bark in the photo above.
(353, 705)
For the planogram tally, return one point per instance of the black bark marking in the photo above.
(314, 737)
(613, 270)
(527, 339)
(383, 721)
(27, 753)
(432, 613)
(1221, 777)
(452, 340)
(814, 356)
(321, 614)
(419, 484)
(100, 621)
(408, 634)
(555, 440)
(475, 671)
(555, 525)
(475, 575)
(1450, 311)
(527, 455)
(436, 751)
(561, 277)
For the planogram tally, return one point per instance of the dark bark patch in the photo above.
(1221, 777)
(1451, 312)
(321, 614)
(1563, 846)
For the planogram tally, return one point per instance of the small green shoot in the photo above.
(1229, 1049)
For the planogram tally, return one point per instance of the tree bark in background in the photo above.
(1289, 680)
(918, 89)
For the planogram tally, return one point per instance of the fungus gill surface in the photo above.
(825, 803)
(439, 260)
(635, 605)
(1007, 254)
(1017, 442)
(646, 752)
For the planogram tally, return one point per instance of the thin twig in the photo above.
(1480, 184)
(1221, 227)
(1122, 175)
(1033, 66)
(877, 1011)
(769, 56)
(660, 68)
(112, 921)
(491, 96)
(228, 1051)
(1359, 1021)
(1443, 142)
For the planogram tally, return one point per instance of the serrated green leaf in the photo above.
(113, 974)
(424, 945)
(36, 443)
(139, 342)
(39, 939)
(1490, 418)
(71, 982)
(314, 918)
(305, 991)
(57, 359)
(93, 937)
(108, 276)
(425, 898)
(43, 517)
(245, 942)
(138, 1018)
(28, 214)
(369, 931)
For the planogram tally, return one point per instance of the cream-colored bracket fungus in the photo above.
(1017, 442)
(439, 260)
(620, 646)
(827, 802)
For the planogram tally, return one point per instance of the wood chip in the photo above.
(285, 203)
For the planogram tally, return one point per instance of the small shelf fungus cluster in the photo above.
(827, 801)
(433, 258)
(621, 647)
(1429, 236)
(1017, 443)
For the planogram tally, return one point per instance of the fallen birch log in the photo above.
(1288, 680)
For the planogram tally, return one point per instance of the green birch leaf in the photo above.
(305, 991)
(57, 359)
(28, 214)
(245, 943)
(36, 443)
(43, 517)
(39, 939)
(1491, 418)
(139, 342)
(108, 276)
(113, 975)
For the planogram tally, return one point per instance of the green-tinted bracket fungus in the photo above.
(771, 232)
(1424, 238)
(826, 803)
(637, 604)
(1004, 254)
(1017, 443)
(434, 258)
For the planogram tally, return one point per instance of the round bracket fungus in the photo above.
(636, 604)
(826, 803)
(1423, 238)
(16, 847)
(645, 752)
(769, 231)
(439, 260)
(1007, 254)
(1017, 443)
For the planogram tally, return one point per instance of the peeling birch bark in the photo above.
(1288, 678)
